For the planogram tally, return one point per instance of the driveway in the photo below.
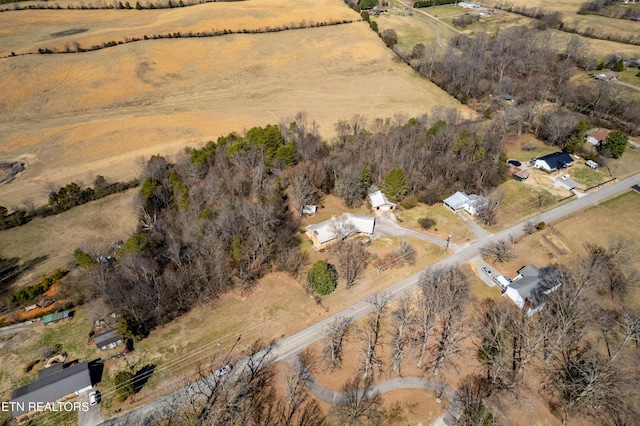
(338, 398)
(386, 226)
(92, 416)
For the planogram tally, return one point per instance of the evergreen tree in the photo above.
(395, 185)
(321, 278)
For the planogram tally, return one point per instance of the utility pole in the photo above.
(448, 242)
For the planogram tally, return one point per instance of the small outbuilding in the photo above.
(108, 340)
(55, 317)
(309, 209)
(380, 202)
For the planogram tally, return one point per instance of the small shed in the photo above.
(309, 209)
(55, 317)
(380, 202)
(107, 340)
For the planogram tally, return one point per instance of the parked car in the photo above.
(565, 177)
(223, 370)
(487, 271)
(94, 397)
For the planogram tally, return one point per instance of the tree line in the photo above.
(519, 62)
(100, 5)
(75, 47)
(63, 199)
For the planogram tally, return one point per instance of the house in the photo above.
(54, 384)
(309, 209)
(530, 287)
(606, 76)
(460, 200)
(346, 225)
(380, 202)
(55, 317)
(107, 340)
(552, 162)
(596, 137)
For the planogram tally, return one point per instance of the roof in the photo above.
(457, 201)
(476, 200)
(325, 231)
(53, 386)
(309, 209)
(57, 316)
(557, 160)
(378, 199)
(106, 338)
(600, 135)
(529, 285)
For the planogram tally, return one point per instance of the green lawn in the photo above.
(587, 177)
(446, 222)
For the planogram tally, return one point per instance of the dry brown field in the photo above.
(70, 116)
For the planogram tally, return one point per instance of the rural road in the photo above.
(297, 342)
(432, 18)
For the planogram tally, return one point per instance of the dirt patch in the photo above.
(9, 171)
(69, 32)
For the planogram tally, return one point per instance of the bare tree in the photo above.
(406, 252)
(451, 288)
(499, 251)
(399, 334)
(487, 212)
(351, 260)
(495, 350)
(334, 336)
(297, 407)
(303, 192)
(359, 405)
(370, 335)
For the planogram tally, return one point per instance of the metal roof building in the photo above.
(53, 384)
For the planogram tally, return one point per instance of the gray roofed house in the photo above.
(54, 384)
(108, 340)
(529, 286)
(460, 200)
(457, 201)
(324, 233)
(552, 162)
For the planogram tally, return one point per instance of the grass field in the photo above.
(95, 225)
(75, 116)
(446, 222)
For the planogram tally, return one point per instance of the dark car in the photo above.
(487, 271)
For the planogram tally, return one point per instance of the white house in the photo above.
(380, 202)
(348, 224)
(460, 200)
(552, 162)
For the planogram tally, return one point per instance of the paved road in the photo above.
(297, 342)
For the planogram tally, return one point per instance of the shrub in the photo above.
(123, 381)
(410, 201)
(541, 226)
(84, 260)
(29, 366)
(321, 278)
(426, 222)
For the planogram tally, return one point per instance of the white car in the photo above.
(94, 398)
(565, 177)
(223, 370)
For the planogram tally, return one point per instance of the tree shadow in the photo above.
(11, 269)
(96, 368)
(142, 377)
